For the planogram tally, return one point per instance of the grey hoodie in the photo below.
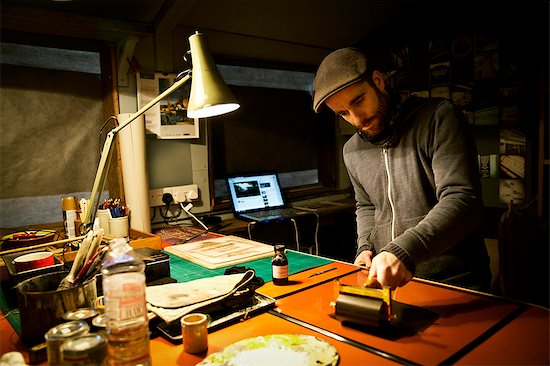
(418, 194)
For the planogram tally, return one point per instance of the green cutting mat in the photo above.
(8, 304)
(183, 270)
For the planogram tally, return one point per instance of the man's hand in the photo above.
(388, 270)
(364, 259)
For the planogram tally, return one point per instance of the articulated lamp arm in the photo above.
(107, 152)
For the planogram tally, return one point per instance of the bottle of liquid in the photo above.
(70, 215)
(125, 310)
(279, 266)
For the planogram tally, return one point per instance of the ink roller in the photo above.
(368, 305)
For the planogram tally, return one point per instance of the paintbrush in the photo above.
(67, 282)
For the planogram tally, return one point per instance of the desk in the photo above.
(337, 229)
(469, 327)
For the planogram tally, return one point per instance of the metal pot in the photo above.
(42, 306)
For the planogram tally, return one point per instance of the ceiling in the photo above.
(289, 31)
(285, 32)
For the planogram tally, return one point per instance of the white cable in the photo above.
(187, 209)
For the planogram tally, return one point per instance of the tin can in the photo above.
(59, 334)
(84, 314)
(87, 349)
(99, 322)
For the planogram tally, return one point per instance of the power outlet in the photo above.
(179, 194)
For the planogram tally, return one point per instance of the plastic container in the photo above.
(279, 265)
(127, 325)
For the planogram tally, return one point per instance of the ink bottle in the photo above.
(279, 266)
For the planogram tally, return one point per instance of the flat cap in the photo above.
(338, 70)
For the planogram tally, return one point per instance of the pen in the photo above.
(321, 272)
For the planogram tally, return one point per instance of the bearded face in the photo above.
(364, 105)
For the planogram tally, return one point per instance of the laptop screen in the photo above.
(254, 192)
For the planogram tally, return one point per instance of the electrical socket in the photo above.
(179, 194)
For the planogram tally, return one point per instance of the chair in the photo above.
(523, 255)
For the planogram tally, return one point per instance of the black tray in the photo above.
(17, 277)
(220, 319)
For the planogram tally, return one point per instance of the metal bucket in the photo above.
(42, 307)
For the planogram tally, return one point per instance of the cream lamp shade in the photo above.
(209, 96)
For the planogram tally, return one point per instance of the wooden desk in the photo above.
(466, 327)
(336, 234)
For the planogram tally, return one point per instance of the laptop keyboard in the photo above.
(269, 213)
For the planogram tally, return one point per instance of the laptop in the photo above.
(258, 197)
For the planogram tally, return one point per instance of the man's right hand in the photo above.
(364, 259)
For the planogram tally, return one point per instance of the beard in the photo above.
(380, 119)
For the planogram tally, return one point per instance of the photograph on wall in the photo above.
(512, 166)
(462, 46)
(486, 66)
(510, 94)
(512, 142)
(440, 49)
(510, 116)
(512, 154)
(488, 165)
(486, 116)
(440, 73)
(512, 190)
(168, 118)
(440, 92)
(485, 40)
(461, 96)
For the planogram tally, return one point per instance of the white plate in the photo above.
(276, 349)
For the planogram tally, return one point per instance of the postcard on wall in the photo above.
(512, 190)
(441, 91)
(440, 49)
(168, 118)
(488, 166)
(461, 96)
(440, 73)
(512, 142)
(512, 166)
(486, 66)
(486, 116)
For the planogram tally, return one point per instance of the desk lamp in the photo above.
(209, 97)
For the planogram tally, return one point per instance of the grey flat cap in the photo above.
(338, 70)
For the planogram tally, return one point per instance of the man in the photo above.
(413, 167)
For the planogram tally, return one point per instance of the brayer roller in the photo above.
(369, 304)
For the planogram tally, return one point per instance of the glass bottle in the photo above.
(125, 306)
(279, 266)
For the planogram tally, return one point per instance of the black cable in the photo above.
(168, 219)
(103, 126)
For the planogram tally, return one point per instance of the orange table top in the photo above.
(453, 326)
(454, 319)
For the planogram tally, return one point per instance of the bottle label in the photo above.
(125, 296)
(280, 271)
(69, 217)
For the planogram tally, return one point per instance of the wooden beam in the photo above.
(34, 20)
(128, 45)
(167, 20)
